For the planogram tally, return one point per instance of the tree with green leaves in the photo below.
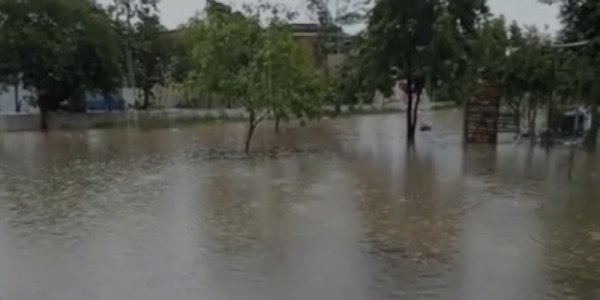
(414, 42)
(217, 57)
(148, 52)
(487, 61)
(581, 23)
(293, 85)
(60, 49)
(153, 56)
(331, 39)
(181, 56)
(262, 69)
(126, 13)
(528, 72)
(524, 63)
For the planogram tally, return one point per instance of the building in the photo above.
(308, 36)
(15, 99)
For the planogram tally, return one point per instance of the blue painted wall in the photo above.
(97, 102)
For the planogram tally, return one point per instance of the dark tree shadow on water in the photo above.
(571, 242)
(409, 233)
(479, 160)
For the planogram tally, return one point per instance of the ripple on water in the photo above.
(339, 210)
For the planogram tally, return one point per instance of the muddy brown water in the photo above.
(336, 210)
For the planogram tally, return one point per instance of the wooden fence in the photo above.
(483, 118)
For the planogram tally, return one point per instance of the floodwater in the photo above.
(336, 210)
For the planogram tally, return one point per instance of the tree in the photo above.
(331, 37)
(413, 41)
(263, 69)
(580, 23)
(148, 53)
(59, 48)
(181, 56)
(153, 56)
(293, 85)
(216, 56)
(524, 63)
(488, 62)
(529, 74)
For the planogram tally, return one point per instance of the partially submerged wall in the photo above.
(57, 121)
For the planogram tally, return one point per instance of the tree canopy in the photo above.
(262, 68)
(58, 47)
(581, 22)
(420, 44)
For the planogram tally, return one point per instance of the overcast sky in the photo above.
(530, 12)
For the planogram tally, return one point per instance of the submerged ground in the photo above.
(336, 210)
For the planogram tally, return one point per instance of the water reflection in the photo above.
(411, 227)
(337, 210)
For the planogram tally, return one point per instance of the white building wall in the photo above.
(130, 95)
(7, 100)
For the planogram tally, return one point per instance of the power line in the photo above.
(571, 45)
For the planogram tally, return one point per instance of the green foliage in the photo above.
(181, 56)
(533, 73)
(262, 69)
(148, 50)
(581, 23)
(152, 56)
(422, 43)
(331, 39)
(63, 48)
(58, 48)
(291, 84)
(355, 85)
(522, 62)
(221, 46)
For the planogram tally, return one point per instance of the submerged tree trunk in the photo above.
(277, 121)
(416, 109)
(251, 127)
(43, 120)
(410, 129)
(148, 96)
(17, 100)
(146, 101)
(43, 103)
(515, 106)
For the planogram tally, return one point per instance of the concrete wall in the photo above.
(308, 43)
(335, 62)
(399, 97)
(58, 121)
(164, 96)
(169, 96)
(31, 122)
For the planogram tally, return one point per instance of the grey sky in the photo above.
(530, 12)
